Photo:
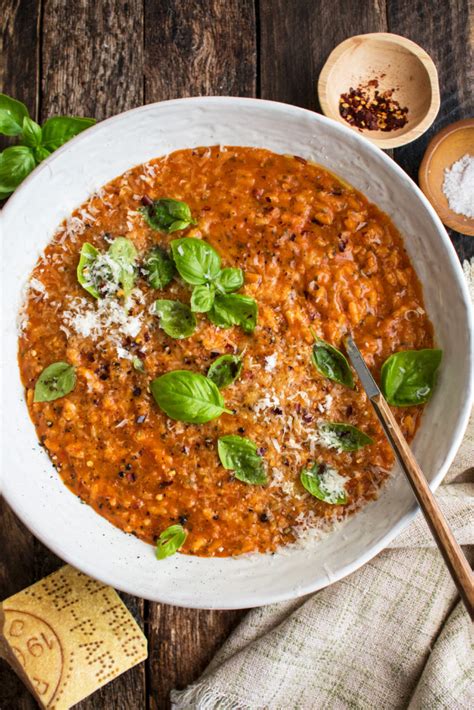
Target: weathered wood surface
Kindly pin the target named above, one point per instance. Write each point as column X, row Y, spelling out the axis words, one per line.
column 100, row 58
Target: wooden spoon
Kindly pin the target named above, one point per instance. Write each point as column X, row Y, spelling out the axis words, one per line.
column 454, row 557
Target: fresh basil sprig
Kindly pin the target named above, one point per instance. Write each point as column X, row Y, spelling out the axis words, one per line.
column 176, row 318
column 188, row 397
column 35, row 142
column 233, row 309
column 168, row 215
column 324, row 483
column 344, row 437
column 199, row 264
column 239, row 455
column 331, row 363
column 101, row 274
column 409, row 377
column 56, row 381
column 170, row 541
column 158, row 267
column 225, row 370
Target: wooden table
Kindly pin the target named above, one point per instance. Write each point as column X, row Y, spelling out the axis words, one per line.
column 98, row 58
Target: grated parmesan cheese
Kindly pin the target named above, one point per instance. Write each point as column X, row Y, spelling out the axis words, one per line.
column 332, row 484
column 103, row 317
column 270, row 362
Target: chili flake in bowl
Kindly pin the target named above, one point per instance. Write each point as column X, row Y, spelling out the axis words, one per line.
column 382, row 85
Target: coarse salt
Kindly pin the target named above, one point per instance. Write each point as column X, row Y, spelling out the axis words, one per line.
column 458, row 186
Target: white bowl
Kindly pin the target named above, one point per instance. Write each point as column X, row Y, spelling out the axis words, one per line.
column 83, row 538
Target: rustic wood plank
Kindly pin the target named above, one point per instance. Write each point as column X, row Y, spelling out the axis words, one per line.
column 442, row 29
column 207, row 47
column 19, row 50
column 92, row 57
column 200, row 48
column 90, row 67
column 182, row 642
column 297, row 38
column 19, row 77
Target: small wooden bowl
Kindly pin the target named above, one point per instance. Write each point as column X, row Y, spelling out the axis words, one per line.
column 446, row 148
column 397, row 63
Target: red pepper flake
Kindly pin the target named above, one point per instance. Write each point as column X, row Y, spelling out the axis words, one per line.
column 367, row 108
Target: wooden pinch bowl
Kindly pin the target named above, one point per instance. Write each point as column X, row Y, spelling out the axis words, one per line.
column 446, row 148
column 397, row 63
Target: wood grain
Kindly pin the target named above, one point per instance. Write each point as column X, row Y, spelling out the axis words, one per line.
column 19, row 77
column 443, row 30
column 199, row 49
column 92, row 57
column 296, row 39
column 182, row 643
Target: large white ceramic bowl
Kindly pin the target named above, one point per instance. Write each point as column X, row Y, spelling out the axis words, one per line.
column 74, row 531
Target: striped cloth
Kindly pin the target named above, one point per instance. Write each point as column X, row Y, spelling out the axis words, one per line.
column 392, row 635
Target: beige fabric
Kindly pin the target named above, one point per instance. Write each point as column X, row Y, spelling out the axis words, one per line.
column 391, row 635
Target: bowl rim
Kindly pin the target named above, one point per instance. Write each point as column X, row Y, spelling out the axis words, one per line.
column 415, row 49
column 47, row 536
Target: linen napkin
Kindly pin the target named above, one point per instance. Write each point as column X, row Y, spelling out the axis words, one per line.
column 392, row 635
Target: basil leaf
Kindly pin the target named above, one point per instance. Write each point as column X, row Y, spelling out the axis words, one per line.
column 88, row 255
column 30, row 132
column 168, row 215
column 239, row 454
column 138, row 364
column 16, row 163
column 202, row 298
column 331, row 363
column 196, row 261
column 188, row 397
column 55, row 381
column 229, row 280
column 41, row 153
column 170, row 540
column 12, row 113
column 225, row 370
column 101, row 273
column 123, row 252
column 176, row 318
column 159, row 267
column 343, row 437
column 233, row 309
column 409, row 377
column 325, row 484
column 59, row 129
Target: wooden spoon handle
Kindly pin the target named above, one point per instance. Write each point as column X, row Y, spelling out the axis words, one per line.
column 453, row 555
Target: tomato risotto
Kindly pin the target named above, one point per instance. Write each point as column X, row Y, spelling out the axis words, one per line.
column 182, row 350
